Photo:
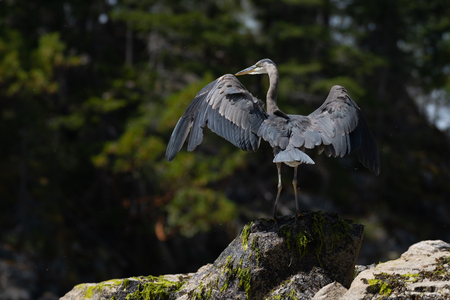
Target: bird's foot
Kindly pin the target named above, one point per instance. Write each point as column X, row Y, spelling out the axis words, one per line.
column 274, row 218
column 297, row 215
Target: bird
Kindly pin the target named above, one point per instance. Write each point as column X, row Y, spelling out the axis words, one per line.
column 338, row 127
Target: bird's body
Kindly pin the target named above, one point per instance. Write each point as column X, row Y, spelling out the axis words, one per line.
column 337, row 127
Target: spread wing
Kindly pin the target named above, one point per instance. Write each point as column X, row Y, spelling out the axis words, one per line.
column 337, row 127
column 228, row 109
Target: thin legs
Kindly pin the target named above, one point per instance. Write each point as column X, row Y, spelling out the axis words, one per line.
column 294, row 184
column 279, row 191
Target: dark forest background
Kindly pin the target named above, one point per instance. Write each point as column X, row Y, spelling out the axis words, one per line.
column 91, row 90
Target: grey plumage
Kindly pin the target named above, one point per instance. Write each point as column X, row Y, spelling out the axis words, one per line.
column 337, row 127
column 228, row 109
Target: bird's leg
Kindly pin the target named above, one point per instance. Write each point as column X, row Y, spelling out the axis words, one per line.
column 278, row 193
column 294, row 183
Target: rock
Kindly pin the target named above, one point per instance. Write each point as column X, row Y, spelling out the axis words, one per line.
column 422, row 272
column 332, row 291
column 264, row 257
column 303, row 285
column 267, row 260
column 161, row 287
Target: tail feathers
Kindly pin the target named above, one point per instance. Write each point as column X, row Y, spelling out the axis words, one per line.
column 292, row 155
column 178, row 137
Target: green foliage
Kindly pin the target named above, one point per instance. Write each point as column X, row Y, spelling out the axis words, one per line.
column 32, row 73
column 196, row 210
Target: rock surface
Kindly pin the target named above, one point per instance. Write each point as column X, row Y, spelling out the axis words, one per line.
column 266, row 255
column 266, row 261
column 303, row 285
column 143, row 287
column 423, row 272
column 332, row 291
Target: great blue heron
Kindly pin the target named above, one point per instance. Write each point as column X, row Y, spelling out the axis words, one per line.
column 337, row 127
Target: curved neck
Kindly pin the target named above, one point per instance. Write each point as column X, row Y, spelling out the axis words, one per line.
column 271, row 98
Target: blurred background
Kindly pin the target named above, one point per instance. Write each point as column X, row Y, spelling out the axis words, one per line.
column 91, row 90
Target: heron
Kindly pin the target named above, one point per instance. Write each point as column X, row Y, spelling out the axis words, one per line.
column 337, row 127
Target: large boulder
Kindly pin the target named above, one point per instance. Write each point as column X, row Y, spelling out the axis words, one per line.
column 266, row 256
column 267, row 260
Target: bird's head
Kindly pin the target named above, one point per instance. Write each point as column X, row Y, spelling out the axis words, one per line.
column 261, row 67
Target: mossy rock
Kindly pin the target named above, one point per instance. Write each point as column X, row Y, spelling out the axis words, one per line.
column 266, row 254
column 422, row 272
column 134, row 288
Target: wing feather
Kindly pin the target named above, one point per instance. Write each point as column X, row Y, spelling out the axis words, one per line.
column 344, row 129
column 228, row 109
column 337, row 127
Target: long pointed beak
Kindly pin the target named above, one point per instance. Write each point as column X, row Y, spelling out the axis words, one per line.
column 246, row 71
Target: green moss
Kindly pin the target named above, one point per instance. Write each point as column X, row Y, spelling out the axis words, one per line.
column 216, row 283
column 245, row 280
column 242, row 274
column 302, row 240
column 319, row 236
column 245, row 233
column 203, row 291
column 224, row 286
column 287, row 232
column 198, row 292
column 97, row 288
column 337, row 229
column 293, row 294
column 440, row 262
column 155, row 288
column 228, row 272
column 384, row 284
column 383, row 287
column 440, row 272
column 285, row 293
column 411, row 277
column 340, row 230
column 228, row 264
column 125, row 284
column 209, row 292
column 255, row 248
column 90, row 291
